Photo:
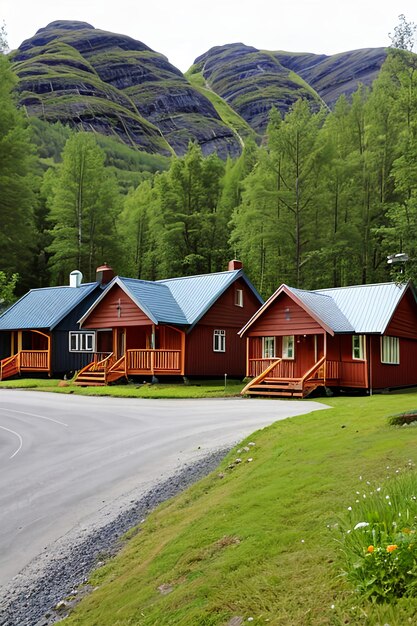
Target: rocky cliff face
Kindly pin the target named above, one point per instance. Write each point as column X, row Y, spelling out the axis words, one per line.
column 252, row 81
column 115, row 85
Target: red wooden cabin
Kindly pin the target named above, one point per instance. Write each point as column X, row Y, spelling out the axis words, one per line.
column 184, row 326
column 360, row 337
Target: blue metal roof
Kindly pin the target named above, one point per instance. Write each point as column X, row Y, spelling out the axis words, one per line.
column 359, row 309
column 196, row 294
column 182, row 301
column 325, row 308
column 44, row 308
column 369, row 308
column 155, row 300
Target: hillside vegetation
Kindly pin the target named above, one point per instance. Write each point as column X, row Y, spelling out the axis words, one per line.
column 114, row 85
column 258, row 540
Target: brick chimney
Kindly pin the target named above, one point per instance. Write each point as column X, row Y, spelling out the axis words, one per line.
column 104, row 274
column 234, row 265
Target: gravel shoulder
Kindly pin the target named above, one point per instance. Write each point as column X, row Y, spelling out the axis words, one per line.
column 32, row 598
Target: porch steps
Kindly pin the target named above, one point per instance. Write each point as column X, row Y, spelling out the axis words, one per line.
column 268, row 384
column 90, row 379
column 282, row 388
column 101, row 373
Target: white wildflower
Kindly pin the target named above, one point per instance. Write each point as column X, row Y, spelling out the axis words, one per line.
column 349, row 508
column 361, row 525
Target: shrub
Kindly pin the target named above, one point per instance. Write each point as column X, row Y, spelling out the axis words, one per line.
column 379, row 539
column 403, row 418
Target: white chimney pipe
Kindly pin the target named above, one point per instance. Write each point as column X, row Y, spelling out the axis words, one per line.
column 75, row 278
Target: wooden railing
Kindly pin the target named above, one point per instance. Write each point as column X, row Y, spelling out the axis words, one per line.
column 283, row 368
column 257, row 366
column 10, row 366
column 34, row 360
column 317, row 372
column 102, row 361
column 153, row 361
column 25, row 360
column 258, row 379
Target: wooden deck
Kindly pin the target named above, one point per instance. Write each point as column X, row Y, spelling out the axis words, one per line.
column 24, row 361
column 146, row 362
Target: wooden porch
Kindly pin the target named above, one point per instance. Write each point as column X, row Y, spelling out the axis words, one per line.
column 275, row 377
column 25, row 361
column 25, row 357
column 105, row 369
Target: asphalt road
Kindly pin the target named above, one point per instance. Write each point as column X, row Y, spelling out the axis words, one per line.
column 64, row 458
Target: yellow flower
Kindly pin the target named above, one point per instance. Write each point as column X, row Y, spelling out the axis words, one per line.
column 370, row 549
column 392, row 547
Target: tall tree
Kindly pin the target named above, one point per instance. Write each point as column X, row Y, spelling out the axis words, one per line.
column 186, row 226
column 403, row 36
column 84, row 205
column 16, row 181
column 276, row 224
column 140, row 258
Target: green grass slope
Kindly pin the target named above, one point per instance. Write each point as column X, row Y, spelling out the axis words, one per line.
column 255, row 542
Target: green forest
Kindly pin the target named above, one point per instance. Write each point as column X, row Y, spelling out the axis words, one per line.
column 322, row 202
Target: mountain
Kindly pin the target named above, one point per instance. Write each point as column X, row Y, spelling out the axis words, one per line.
column 115, row 85
column 112, row 84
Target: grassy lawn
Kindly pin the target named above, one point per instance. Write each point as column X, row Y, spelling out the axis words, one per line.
column 195, row 389
column 258, row 539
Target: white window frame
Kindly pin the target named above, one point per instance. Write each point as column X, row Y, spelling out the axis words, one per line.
column 219, row 341
column 288, row 347
column 82, row 341
column 239, row 297
column 268, row 347
column 390, row 350
column 358, row 348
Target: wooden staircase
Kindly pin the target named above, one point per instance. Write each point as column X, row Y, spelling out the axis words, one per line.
column 102, row 372
column 269, row 384
column 10, row 366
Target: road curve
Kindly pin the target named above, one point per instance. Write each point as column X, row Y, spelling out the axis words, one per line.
column 64, row 457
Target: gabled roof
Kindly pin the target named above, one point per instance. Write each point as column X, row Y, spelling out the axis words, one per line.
column 154, row 299
column 44, row 308
column 361, row 309
column 369, row 308
column 197, row 294
column 181, row 301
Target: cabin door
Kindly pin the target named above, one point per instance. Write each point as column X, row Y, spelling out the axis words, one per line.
column 104, row 341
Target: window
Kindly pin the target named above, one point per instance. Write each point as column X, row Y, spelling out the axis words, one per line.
column 219, row 341
column 239, row 297
column 288, row 347
column 268, row 347
column 358, row 347
column 390, row 350
column 82, row 342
